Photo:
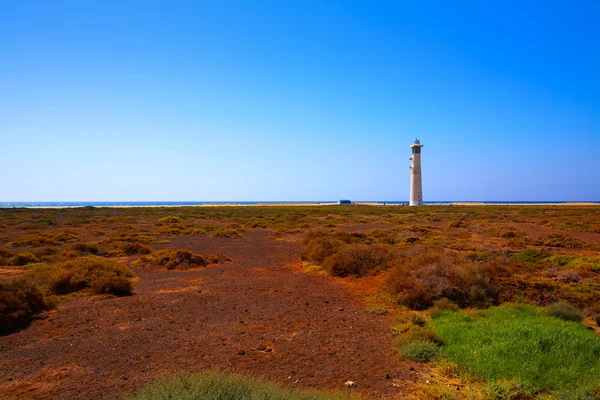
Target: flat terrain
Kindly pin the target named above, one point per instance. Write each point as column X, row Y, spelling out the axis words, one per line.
column 316, row 333
column 262, row 306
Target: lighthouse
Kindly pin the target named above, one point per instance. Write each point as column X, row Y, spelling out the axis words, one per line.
column 416, row 183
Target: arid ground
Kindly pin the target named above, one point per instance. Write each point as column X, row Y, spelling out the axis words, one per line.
column 262, row 305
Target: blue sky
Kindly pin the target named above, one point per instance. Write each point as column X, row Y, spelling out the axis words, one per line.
column 298, row 100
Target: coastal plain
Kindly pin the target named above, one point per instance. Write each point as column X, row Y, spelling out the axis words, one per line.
column 299, row 295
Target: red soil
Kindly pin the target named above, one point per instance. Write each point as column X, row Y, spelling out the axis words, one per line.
column 317, row 331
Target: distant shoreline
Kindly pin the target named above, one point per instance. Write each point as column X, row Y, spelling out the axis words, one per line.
column 61, row 205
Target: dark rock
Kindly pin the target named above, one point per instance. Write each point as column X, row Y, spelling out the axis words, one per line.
column 241, row 352
column 261, row 348
column 387, row 376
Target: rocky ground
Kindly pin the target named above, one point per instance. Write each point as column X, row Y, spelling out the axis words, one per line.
column 259, row 314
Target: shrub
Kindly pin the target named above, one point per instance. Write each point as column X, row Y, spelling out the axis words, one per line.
column 421, row 351
column 227, row 233
column 565, row 312
column 217, row 258
column 559, row 240
column 43, row 239
column 23, row 259
column 20, row 301
column 433, row 275
column 318, row 249
column 5, row 255
column 129, row 248
column 219, row 386
column 458, row 224
column 416, row 333
column 357, row 260
column 86, row 247
column 532, row 256
column 175, row 259
column 442, row 305
column 170, row 219
column 97, row 274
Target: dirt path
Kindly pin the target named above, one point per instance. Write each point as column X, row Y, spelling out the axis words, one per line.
column 316, row 333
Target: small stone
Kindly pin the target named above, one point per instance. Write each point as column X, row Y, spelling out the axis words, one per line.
column 241, row 352
column 350, row 384
column 341, row 309
column 411, row 369
column 268, row 350
column 457, row 388
column 387, row 376
column 261, row 348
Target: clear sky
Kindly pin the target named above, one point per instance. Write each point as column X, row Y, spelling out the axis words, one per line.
column 298, row 100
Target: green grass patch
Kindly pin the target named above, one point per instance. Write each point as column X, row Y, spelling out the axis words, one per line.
column 217, row 386
column 523, row 344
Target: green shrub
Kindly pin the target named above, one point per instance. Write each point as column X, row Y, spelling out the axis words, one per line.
column 20, row 301
column 415, row 334
column 98, row 275
column 565, row 312
column 532, row 256
column 219, row 386
column 560, row 240
column 421, row 351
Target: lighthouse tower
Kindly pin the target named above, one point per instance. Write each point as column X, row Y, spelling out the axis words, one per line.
column 416, row 183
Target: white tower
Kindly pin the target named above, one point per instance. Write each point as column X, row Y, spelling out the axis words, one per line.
column 416, row 183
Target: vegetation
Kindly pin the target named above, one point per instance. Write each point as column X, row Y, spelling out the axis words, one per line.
column 565, row 311
column 524, row 345
column 218, row 386
column 97, row 275
column 20, row 301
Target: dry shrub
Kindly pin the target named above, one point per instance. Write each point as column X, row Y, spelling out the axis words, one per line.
column 431, row 275
column 66, row 236
column 170, row 219
column 174, row 259
column 320, row 244
column 20, row 301
column 227, row 233
column 357, row 259
column 458, row 224
column 5, row 255
column 23, row 259
column 35, row 240
column 217, row 258
column 560, row 240
column 128, row 248
column 99, row 275
column 86, row 247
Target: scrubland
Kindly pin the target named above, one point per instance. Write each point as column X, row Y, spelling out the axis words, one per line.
column 492, row 301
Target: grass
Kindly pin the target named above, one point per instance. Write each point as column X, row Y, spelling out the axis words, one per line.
column 523, row 344
column 218, row 386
